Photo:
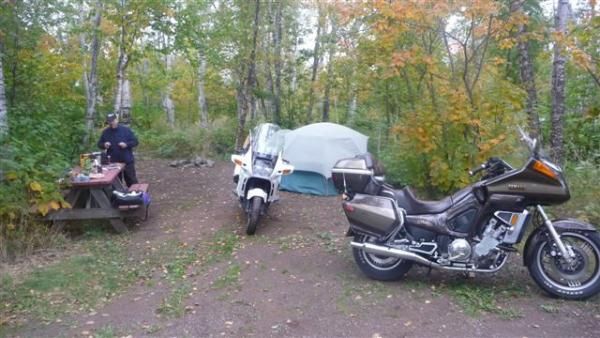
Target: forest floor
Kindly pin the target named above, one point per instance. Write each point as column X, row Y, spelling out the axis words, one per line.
column 190, row 271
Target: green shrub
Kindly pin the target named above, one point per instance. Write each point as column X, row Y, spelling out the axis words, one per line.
column 584, row 183
column 38, row 150
column 181, row 142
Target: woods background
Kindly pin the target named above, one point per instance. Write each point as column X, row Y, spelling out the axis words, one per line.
column 438, row 86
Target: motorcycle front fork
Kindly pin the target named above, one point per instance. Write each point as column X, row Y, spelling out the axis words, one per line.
column 566, row 251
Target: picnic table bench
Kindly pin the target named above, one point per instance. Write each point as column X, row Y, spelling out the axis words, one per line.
column 91, row 200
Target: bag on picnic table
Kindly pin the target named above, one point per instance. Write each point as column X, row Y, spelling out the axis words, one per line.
column 130, row 198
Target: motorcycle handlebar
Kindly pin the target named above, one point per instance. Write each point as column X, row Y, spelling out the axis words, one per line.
column 475, row 171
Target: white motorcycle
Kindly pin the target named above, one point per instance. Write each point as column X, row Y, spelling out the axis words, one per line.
column 258, row 172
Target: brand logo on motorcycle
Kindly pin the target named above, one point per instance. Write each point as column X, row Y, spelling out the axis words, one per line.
column 517, row 187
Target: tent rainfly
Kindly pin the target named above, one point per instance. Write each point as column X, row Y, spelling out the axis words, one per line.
column 313, row 150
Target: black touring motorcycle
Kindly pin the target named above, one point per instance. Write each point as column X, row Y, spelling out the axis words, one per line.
column 475, row 229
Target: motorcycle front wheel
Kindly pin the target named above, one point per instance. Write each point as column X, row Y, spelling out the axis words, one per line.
column 578, row 279
column 253, row 215
column 378, row 267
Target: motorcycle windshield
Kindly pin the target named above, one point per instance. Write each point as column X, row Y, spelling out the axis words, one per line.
column 267, row 141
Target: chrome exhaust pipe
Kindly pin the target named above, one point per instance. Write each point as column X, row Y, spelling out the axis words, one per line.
column 393, row 252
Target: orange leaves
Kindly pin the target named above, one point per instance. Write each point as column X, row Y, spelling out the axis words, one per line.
column 399, row 59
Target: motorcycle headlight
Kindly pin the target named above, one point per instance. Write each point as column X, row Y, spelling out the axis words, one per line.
column 262, row 171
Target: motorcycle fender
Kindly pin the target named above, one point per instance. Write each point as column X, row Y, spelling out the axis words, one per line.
column 561, row 225
column 257, row 192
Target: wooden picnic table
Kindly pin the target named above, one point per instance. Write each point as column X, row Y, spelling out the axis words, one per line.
column 92, row 200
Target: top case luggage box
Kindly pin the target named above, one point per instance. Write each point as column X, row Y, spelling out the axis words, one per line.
column 357, row 175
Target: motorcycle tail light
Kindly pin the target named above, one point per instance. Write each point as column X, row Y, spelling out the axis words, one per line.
column 347, row 207
column 545, row 170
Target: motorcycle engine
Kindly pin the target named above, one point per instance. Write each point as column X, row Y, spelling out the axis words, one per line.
column 485, row 252
column 459, row 250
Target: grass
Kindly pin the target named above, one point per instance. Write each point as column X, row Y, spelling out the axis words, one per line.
column 102, row 270
column 358, row 292
column 27, row 237
column 230, row 279
column 99, row 272
column 173, row 306
column 106, row 332
column 175, row 269
column 220, row 247
column 550, row 308
column 76, row 284
column 476, row 299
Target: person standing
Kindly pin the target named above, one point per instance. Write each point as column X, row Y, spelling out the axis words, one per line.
column 119, row 141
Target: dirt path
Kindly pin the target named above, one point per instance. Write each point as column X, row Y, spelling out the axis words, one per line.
column 296, row 277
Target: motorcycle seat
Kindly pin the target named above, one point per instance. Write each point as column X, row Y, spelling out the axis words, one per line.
column 407, row 200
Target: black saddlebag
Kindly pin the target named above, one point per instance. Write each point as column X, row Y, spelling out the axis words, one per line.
column 373, row 215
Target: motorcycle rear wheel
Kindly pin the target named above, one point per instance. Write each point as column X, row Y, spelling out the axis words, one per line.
column 379, row 267
column 577, row 280
column 253, row 215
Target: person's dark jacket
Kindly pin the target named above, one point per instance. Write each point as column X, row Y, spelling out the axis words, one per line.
column 115, row 136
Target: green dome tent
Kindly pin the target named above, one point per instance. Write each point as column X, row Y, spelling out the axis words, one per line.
column 313, row 150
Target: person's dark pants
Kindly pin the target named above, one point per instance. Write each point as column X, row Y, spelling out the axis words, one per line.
column 129, row 174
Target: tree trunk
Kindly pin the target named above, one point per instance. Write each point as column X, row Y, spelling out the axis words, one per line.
column 14, row 60
column 242, row 112
column 91, row 80
column 167, row 102
column 331, row 53
column 252, row 80
column 120, row 80
column 315, row 67
column 558, row 84
column 277, row 43
column 245, row 91
column 123, row 92
column 268, row 104
column 353, row 104
column 3, row 110
column 527, row 75
column 202, row 105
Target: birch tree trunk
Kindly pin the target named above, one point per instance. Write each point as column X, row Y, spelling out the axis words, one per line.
column 245, row 90
column 331, row 53
column 91, row 79
column 3, row 110
column 277, row 44
column 252, row 80
column 242, row 112
column 315, row 67
column 558, row 84
column 167, row 102
column 353, row 105
column 527, row 75
column 269, row 40
column 202, row 105
column 123, row 92
column 120, row 81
